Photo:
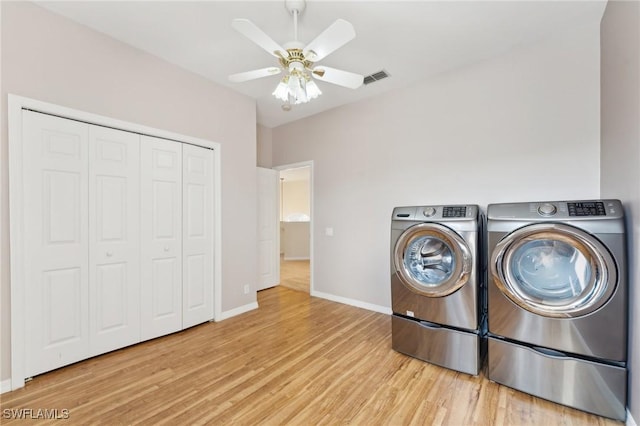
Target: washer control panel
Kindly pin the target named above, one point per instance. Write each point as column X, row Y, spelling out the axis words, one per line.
column 547, row 209
column 454, row 211
column 435, row 213
column 429, row 211
column 587, row 209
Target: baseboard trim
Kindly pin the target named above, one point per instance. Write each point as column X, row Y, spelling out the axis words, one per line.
column 630, row 420
column 295, row 258
column 5, row 386
column 237, row 311
column 352, row 302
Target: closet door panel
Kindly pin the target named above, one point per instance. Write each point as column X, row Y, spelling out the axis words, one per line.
column 197, row 225
column 161, row 198
column 114, row 252
column 56, row 242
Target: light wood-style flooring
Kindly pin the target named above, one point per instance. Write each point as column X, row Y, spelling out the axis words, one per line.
column 296, row 360
column 294, row 274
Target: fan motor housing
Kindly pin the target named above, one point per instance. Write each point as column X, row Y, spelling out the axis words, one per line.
column 295, row 55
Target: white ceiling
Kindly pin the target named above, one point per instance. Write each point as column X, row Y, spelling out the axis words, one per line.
column 411, row 40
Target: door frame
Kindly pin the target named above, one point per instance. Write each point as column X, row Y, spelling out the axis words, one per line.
column 276, row 256
column 312, row 211
column 16, row 208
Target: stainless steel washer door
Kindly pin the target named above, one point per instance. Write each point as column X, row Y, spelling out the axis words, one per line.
column 554, row 270
column 432, row 260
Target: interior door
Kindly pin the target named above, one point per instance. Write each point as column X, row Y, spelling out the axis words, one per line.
column 268, row 229
column 197, row 232
column 114, row 243
column 56, row 242
column 161, row 233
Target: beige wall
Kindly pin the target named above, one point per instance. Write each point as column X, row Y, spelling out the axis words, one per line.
column 620, row 157
column 521, row 126
column 294, row 240
column 264, row 146
column 52, row 59
column 295, row 198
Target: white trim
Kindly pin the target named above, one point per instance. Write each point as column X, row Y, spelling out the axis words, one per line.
column 630, row 421
column 311, row 219
column 15, row 106
column 296, row 258
column 352, row 302
column 217, row 232
column 237, row 311
column 16, row 249
column 5, row 386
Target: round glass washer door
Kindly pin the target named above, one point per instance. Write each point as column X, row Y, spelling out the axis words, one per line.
column 554, row 270
column 432, row 260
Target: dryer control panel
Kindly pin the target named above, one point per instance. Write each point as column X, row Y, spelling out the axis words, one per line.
column 557, row 210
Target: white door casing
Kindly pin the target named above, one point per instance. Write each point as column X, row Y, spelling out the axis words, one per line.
column 161, row 263
column 197, row 235
column 55, row 242
column 114, row 241
column 268, row 228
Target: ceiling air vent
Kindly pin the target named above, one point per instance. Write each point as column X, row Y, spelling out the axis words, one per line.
column 375, row 77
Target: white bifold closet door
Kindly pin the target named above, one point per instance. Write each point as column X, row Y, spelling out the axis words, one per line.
column 197, row 235
column 161, row 205
column 56, row 242
column 114, row 241
column 118, row 236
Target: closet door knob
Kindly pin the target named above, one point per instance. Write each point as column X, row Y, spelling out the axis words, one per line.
column 166, row 248
column 109, row 253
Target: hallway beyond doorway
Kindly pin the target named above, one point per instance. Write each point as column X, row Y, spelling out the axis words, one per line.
column 294, row 274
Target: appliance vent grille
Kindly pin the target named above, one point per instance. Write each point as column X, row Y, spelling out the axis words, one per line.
column 375, row 77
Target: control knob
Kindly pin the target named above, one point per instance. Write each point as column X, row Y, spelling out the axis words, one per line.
column 547, row 209
column 429, row 211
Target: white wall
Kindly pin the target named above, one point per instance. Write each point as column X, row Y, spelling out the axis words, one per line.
column 620, row 158
column 522, row 126
column 50, row 58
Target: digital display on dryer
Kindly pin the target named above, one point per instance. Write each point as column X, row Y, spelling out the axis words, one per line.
column 586, row 209
column 454, row 211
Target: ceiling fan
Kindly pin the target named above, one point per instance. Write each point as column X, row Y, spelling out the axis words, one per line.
column 298, row 59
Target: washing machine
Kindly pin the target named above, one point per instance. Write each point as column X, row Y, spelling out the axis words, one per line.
column 436, row 286
column 557, row 296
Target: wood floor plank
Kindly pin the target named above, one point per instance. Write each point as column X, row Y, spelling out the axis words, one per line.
column 295, row 274
column 297, row 360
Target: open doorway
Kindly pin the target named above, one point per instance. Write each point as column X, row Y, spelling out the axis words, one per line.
column 296, row 226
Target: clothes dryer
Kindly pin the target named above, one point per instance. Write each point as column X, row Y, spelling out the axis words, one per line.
column 436, row 286
column 557, row 296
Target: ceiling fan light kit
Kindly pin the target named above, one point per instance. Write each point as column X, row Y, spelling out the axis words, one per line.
column 297, row 60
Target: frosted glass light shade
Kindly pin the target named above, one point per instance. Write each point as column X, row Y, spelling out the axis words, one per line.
column 296, row 88
column 282, row 91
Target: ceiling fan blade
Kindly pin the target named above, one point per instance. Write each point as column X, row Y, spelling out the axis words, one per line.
column 339, row 77
column 259, row 37
column 335, row 36
column 252, row 75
